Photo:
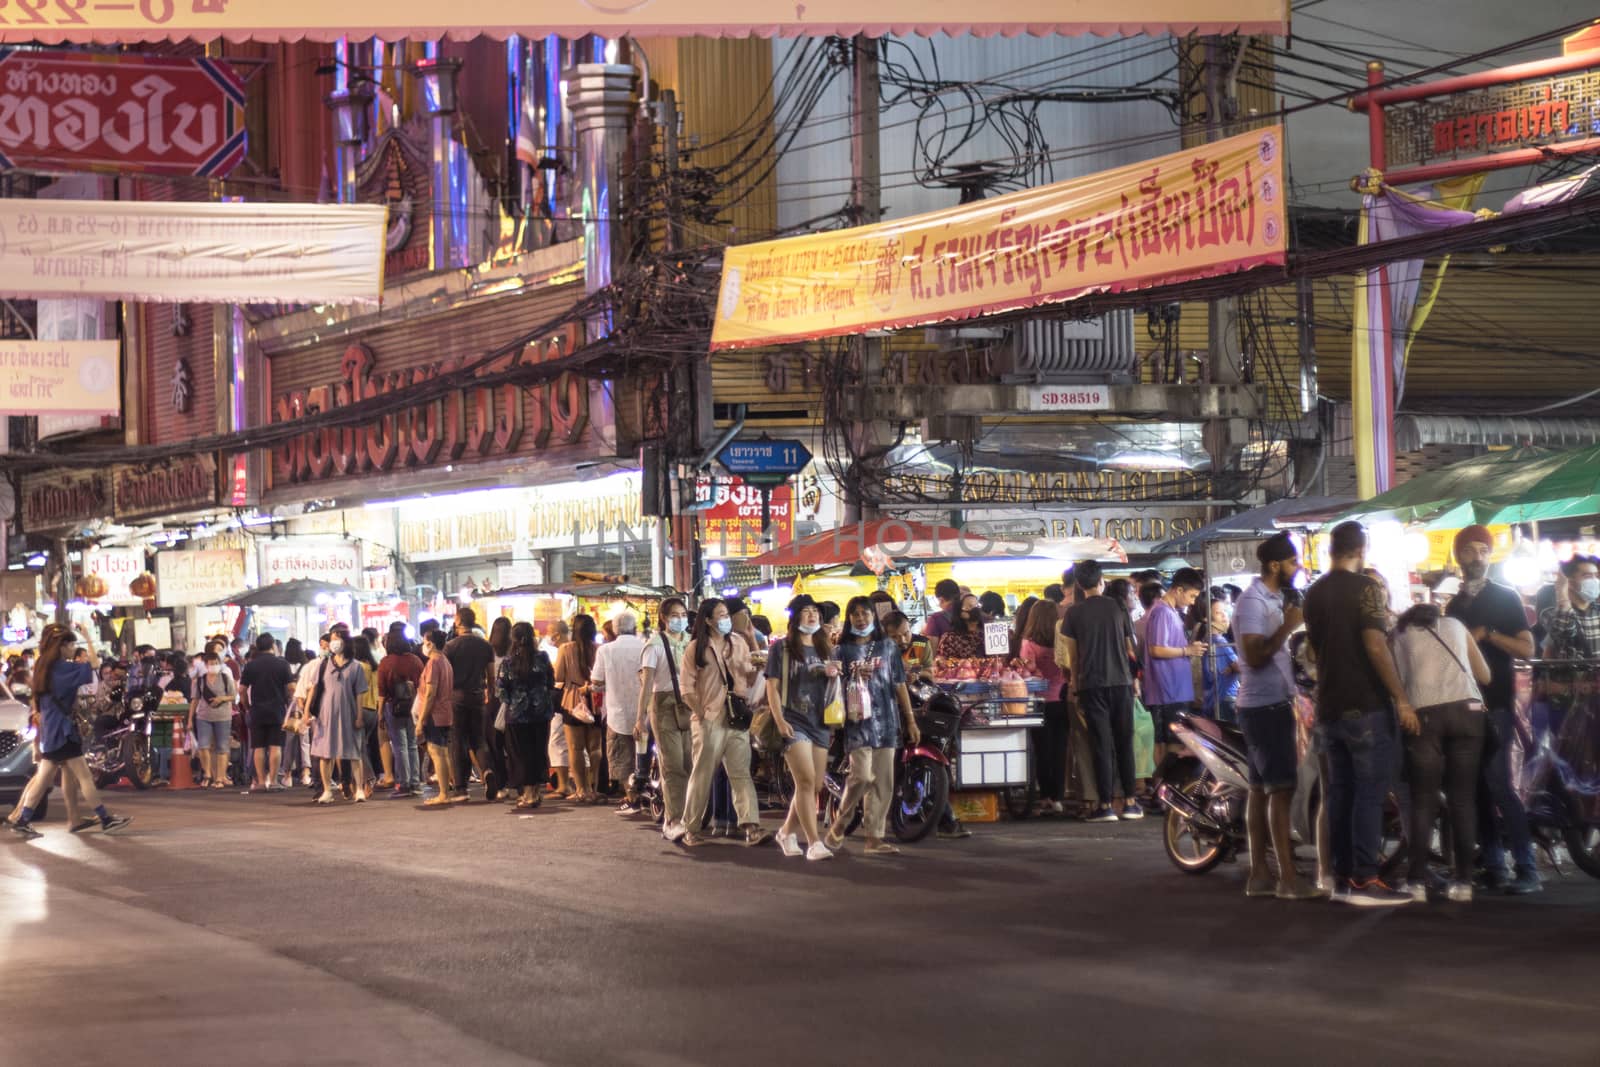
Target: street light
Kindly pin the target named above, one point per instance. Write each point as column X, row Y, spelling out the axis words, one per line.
column 352, row 111
column 438, row 74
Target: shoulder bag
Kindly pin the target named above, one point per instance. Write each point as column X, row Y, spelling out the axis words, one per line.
column 314, row 704
column 740, row 717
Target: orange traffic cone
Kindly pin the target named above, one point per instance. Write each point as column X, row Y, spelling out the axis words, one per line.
column 182, row 776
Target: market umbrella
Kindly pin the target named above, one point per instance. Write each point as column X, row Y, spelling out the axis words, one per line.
column 1557, row 485
column 1438, row 496
column 1257, row 522
column 299, row 593
column 847, row 543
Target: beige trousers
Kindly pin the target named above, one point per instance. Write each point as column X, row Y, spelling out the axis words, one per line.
column 715, row 744
column 871, row 784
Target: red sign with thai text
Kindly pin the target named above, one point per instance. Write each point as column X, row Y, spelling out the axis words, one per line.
column 731, row 527
column 121, row 113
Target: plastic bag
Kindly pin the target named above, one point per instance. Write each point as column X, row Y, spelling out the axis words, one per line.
column 833, row 711
column 857, row 700
column 1144, row 741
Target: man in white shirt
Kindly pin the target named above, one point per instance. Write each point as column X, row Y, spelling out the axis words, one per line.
column 616, row 673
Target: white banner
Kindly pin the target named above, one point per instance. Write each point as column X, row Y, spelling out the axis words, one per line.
column 60, row 377
column 195, row 578
column 338, row 562
column 118, row 567
column 193, row 253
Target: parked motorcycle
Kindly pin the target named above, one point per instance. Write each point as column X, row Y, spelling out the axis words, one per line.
column 115, row 731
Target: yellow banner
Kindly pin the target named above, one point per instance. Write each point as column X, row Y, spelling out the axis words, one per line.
column 1209, row 210
column 222, row 253
column 272, row 20
column 60, row 378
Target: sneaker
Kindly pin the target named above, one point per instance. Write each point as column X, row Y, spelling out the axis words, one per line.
column 790, row 843
column 491, row 785
column 755, row 835
column 674, row 832
column 115, row 824
column 819, row 851
column 629, row 807
column 1298, row 891
column 1459, row 893
column 1526, row 882
column 23, row 829
column 1339, row 892
column 954, row 833
column 1102, row 814
column 400, row 792
column 1051, row 807
column 1258, row 887
column 1131, row 811
column 1417, row 891
column 84, row 824
column 1373, row 893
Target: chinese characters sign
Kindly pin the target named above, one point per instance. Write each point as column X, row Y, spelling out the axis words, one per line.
column 83, row 111
column 60, row 378
column 1209, row 210
column 731, row 527
column 53, row 21
column 192, row 252
column 1494, row 119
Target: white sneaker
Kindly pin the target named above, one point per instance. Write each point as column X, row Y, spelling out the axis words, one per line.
column 819, row 851
column 674, row 832
column 790, row 843
column 1459, row 893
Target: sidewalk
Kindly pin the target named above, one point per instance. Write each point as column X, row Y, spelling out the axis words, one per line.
column 93, row 980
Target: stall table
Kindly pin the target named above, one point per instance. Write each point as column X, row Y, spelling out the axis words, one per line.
column 995, row 747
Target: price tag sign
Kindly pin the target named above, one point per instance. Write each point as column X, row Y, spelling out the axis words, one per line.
column 996, row 639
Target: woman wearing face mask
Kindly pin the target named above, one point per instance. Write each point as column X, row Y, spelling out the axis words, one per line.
column 872, row 732
column 800, row 673
column 715, row 665
column 211, row 721
column 335, row 735
column 661, row 702
column 58, row 681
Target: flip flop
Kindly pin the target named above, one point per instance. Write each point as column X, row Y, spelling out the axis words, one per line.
column 881, row 849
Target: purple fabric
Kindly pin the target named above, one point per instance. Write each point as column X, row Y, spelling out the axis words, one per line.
column 1166, row 681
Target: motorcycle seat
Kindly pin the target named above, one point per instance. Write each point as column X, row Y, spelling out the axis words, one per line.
column 1216, row 730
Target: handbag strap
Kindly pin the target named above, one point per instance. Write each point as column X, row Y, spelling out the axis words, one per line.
column 783, row 673
column 1448, row 650
column 672, row 667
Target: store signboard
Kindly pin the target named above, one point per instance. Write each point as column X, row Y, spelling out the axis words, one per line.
column 335, row 562
column 1211, row 209
column 225, row 252
column 61, row 500
column 59, row 377
column 118, row 567
column 568, row 515
column 730, row 525
column 196, row 577
column 167, row 487
column 1493, row 118
column 125, row 113
column 292, row 20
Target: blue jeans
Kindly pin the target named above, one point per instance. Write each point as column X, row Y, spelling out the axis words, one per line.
column 1361, row 751
column 1500, row 813
column 403, row 740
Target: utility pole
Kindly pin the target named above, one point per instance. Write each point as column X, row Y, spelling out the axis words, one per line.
column 866, row 188
column 1224, row 438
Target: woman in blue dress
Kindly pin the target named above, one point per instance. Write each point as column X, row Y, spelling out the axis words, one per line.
column 56, row 682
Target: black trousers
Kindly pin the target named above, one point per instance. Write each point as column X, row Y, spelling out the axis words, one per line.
column 494, row 740
column 1050, row 751
column 1109, row 713
column 528, row 753
column 1446, row 754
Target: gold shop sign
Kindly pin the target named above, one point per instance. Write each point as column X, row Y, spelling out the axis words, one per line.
column 562, row 517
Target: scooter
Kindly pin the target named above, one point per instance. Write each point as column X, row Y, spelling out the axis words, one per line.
column 116, row 737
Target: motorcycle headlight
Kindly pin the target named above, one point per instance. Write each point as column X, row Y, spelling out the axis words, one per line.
column 136, row 704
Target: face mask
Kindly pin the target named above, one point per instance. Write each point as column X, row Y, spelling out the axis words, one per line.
column 809, row 628
column 677, row 624
column 861, row 631
column 1589, row 589
column 336, row 647
column 724, row 627
column 213, row 670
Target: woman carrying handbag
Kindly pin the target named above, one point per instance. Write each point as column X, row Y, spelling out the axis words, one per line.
column 716, row 673
column 1441, row 668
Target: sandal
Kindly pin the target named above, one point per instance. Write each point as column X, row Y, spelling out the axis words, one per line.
column 882, row 848
column 833, row 843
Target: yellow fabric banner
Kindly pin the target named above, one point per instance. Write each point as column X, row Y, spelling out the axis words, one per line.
column 1213, row 209
column 60, row 378
column 222, row 253
column 291, row 20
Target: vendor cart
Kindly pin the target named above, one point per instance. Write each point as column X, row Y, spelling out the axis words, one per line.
column 995, row 748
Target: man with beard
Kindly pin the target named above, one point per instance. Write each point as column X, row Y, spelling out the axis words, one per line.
column 1494, row 614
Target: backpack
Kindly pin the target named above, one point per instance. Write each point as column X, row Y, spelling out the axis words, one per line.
column 403, row 696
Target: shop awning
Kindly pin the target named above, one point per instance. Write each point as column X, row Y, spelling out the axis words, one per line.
column 1523, row 485
column 292, row 20
column 848, row 544
column 1257, row 522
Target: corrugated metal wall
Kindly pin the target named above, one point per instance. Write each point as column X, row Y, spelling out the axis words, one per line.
column 814, row 178
column 162, row 348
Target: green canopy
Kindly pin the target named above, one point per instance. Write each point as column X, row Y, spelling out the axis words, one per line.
column 1499, row 488
column 1441, row 497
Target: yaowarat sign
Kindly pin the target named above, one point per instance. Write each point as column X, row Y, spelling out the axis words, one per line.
column 274, row 20
column 473, row 421
column 1208, row 210
column 223, row 253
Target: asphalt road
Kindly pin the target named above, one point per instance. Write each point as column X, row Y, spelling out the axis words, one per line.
column 255, row 930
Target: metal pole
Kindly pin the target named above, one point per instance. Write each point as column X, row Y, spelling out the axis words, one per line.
column 769, row 574
column 669, row 154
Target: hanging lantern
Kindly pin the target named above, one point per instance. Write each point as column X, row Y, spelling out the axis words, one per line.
column 144, row 586
column 92, row 587
column 149, row 603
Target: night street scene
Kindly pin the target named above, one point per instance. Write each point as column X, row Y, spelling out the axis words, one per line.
column 679, row 532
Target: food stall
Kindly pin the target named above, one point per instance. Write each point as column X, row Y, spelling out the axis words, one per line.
column 1001, row 701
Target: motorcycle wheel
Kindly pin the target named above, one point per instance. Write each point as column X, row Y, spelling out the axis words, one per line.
column 1583, row 844
column 920, row 799
column 829, row 816
column 1192, row 851
column 136, row 761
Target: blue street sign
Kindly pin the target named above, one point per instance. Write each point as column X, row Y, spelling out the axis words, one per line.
column 780, row 458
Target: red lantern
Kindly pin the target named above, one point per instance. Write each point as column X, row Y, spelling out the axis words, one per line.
column 144, row 586
column 92, row 587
